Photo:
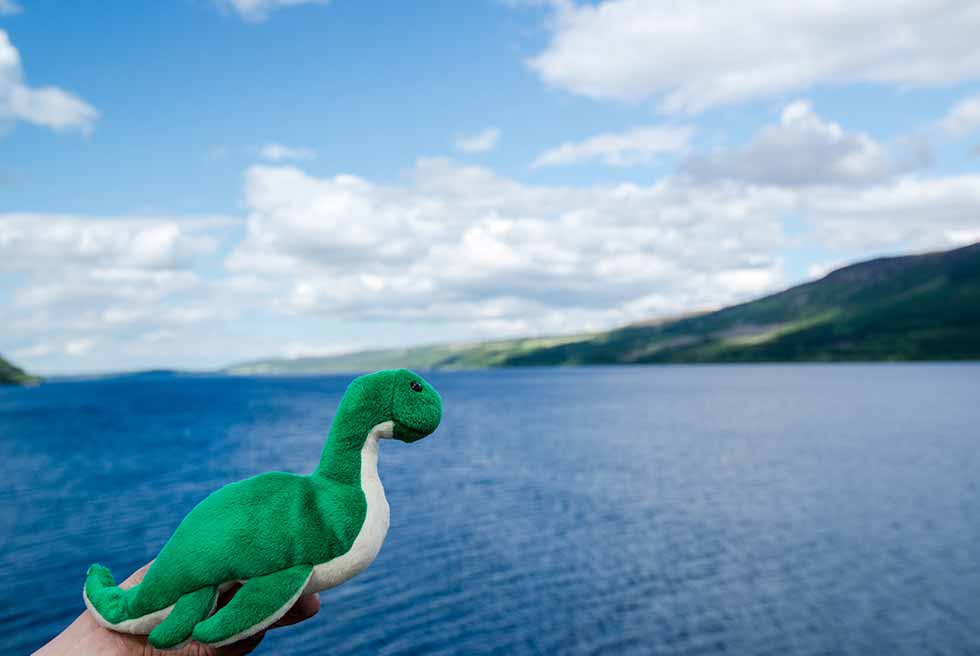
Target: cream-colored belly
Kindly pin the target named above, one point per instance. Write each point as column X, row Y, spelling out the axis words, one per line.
column 368, row 542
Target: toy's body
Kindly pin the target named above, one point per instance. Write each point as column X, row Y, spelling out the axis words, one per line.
column 281, row 534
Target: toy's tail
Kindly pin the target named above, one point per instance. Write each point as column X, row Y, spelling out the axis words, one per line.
column 104, row 598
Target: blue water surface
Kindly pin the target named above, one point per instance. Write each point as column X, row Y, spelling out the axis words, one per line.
column 779, row 509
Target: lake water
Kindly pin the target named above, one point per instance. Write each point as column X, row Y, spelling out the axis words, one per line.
column 669, row 510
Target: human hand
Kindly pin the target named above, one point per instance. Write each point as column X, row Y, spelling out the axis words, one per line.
column 85, row 636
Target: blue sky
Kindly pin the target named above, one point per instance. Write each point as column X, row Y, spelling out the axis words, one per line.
column 197, row 182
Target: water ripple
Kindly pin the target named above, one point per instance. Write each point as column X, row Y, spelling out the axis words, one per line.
column 671, row 510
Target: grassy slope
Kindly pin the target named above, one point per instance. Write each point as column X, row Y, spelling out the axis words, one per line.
column 917, row 307
column 13, row 375
column 440, row 356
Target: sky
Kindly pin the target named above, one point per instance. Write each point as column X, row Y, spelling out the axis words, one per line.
column 193, row 183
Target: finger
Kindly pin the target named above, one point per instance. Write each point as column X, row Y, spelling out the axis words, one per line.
column 306, row 607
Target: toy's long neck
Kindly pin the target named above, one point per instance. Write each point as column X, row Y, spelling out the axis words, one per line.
column 341, row 458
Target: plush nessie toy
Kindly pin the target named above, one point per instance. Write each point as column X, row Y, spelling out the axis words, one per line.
column 281, row 534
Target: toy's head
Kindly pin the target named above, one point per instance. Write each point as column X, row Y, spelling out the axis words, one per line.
column 415, row 406
column 397, row 395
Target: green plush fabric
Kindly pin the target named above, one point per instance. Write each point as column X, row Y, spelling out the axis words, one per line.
column 111, row 600
column 258, row 599
column 269, row 528
column 189, row 610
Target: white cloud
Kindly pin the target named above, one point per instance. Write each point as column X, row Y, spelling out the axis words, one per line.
column 963, row 237
column 256, row 11
column 36, row 350
column 9, row 8
column 80, row 346
column 480, row 142
column 46, row 106
column 32, row 242
column 641, row 145
column 460, row 244
column 104, row 296
column 691, row 56
column 907, row 214
column 72, row 347
column 298, row 349
column 963, row 118
column 275, row 152
column 84, row 280
column 804, row 149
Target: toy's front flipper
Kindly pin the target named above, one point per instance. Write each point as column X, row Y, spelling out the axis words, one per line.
column 188, row 611
column 259, row 603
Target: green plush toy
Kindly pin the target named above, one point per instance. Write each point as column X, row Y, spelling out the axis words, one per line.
column 281, row 534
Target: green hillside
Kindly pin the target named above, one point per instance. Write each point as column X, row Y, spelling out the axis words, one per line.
column 13, row 375
column 916, row 307
column 476, row 355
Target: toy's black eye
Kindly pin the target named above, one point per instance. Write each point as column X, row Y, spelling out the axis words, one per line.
column 416, row 387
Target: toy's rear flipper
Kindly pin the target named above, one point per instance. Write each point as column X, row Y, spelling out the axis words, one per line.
column 111, row 605
column 190, row 609
column 261, row 602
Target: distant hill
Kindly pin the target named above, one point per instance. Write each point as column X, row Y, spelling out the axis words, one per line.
column 13, row 375
column 915, row 307
column 474, row 355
